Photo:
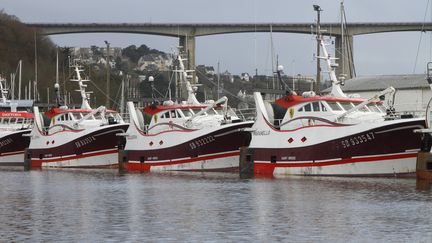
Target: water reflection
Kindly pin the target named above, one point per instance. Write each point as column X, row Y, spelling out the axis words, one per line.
column 101, row 205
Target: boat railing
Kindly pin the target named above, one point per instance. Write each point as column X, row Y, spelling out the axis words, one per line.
column 248, row 114
column 125, row 116
column 277, row 122
column 46, row 130
column 391, row 114
column 146, row 127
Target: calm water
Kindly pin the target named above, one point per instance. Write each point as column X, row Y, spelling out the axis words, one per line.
column 105, row 206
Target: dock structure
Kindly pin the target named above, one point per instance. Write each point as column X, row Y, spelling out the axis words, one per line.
column 424, row 165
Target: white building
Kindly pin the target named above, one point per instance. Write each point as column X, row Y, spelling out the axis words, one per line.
column 412, row 90
column 245, row 77
column 154, row 61
column 103, row 61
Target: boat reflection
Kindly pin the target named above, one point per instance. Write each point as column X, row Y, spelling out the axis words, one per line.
column 422, row 184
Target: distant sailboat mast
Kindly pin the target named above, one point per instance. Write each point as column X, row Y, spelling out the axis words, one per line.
column 342, row 12
column 122, row 99
column 19, row 79
column 13, row 77
column 218, row 81
column 272, row 55
column 318, row 9
column 36, row 66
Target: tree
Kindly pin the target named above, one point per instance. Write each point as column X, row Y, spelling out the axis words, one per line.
column 95, row 50
column 131, row 53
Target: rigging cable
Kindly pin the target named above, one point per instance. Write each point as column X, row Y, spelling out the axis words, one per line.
column 348, row 43
column 421, row 35
column 226, row 91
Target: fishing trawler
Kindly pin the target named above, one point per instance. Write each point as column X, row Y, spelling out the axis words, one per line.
column 84, row 137
column 13, row 124
column 187, row 136
column 334, row 134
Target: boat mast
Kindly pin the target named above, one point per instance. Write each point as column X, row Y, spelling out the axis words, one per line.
column 59, row 99
column 342, row 38
column 318, row 9
column 272, row 55
column 176, row 83
column 336, row 89
column 57, row 67
column 108, row 71
column 184, row 79
column 84, row 95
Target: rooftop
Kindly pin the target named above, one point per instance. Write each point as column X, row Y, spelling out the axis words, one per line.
column 380, row 82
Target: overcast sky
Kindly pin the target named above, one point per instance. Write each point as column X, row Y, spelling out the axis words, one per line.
column 390, row 53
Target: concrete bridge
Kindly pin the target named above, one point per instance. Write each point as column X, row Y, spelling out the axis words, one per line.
column 188, row 32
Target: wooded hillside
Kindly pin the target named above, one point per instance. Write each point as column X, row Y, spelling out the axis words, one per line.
column 17, row 42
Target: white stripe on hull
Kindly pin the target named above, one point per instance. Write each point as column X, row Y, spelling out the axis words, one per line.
column 91, row 161
column 381, row 167
column 223, row 163
column 13, row 159
column 210, row 164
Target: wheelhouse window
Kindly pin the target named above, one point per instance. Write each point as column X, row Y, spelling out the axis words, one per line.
column 346, row 105
column 77, row 115
column 187, row 112
column 219, row 111
column 211, row 112
column 334, row 106
column 363, row 109
column 98, row 116
column 323, row 108
column 196, row 110
column 90, row 117
column 316, row 106
column 308, row 107
column 165, row 115
column 64, row 117
column 373, row 107
column 114, row 115
column 230, row 112
column 382, row 108
column 173, row 114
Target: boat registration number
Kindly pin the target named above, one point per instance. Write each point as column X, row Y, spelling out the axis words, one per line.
column 201, row 142
column 6, row 142
column 358, row 139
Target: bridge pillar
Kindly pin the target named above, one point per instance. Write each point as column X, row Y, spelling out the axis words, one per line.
column 188, row 47
column 346, row 62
